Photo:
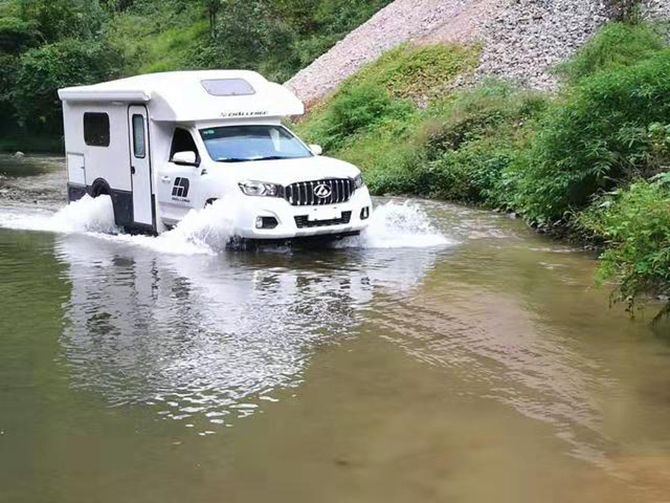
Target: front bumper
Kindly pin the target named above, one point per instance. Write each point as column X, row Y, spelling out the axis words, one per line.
column 302, row 221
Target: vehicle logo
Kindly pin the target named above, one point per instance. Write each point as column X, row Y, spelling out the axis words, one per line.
column 322, row 191
column 181, row 186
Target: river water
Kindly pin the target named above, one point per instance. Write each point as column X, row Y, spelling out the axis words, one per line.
column 449, row 355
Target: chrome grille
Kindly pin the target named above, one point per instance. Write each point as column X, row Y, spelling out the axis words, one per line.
column 302, row 193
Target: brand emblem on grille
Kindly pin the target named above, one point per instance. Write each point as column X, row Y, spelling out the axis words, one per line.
column 322, row 191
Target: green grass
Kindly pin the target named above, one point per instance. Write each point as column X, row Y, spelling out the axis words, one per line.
column 617, row 45
column 417, row 73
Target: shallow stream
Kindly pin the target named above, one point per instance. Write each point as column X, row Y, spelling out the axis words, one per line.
column 448, row 355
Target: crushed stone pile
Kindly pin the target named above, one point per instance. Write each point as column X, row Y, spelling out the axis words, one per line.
column 520, row 39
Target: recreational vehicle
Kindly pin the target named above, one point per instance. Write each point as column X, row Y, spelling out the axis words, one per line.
column 161, row 145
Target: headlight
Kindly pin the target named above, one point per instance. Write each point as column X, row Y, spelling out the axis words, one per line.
column 254, row 188
column 358, row 181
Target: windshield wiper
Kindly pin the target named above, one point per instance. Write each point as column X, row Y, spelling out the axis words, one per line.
column 254, row 159
column 234, row 159
column 273, row 158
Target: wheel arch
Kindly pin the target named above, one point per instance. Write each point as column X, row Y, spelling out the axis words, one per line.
column 100, row 187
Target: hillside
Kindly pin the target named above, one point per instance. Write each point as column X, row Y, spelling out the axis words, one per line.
column 590, row 162
column 520, row 39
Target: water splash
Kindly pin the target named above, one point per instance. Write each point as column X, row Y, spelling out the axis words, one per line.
column 209, row 231
column 395, row 225
column 86, row 215
column 200, row 232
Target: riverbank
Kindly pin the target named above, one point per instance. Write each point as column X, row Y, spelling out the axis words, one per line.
column 591, row 160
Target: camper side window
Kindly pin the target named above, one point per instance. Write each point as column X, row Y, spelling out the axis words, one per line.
column 96, row 129
column 182, row 141
column 139, row 141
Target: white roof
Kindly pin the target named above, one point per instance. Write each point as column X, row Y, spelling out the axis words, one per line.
column 181, row 96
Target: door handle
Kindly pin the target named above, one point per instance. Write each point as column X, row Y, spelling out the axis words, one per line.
column 132, row 170
column 166, row 179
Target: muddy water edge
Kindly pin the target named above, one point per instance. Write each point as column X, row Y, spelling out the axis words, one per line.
column 483, row 365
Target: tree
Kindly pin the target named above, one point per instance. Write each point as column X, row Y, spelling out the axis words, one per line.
column 60, row 19
column 17, row 34
column 212, row 7
column 45, row 70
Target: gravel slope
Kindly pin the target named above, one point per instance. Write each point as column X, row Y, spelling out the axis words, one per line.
column 521, row 39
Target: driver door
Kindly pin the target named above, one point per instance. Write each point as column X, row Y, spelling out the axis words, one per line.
column 177, row 183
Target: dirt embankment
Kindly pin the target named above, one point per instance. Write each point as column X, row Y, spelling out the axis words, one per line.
column 520, row 39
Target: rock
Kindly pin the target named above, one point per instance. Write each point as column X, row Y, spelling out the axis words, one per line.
column 19, row 155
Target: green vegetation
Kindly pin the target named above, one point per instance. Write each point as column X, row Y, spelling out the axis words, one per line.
column 48, row 44
column 374, row 118
column 618, row 45
column 634, row 224
column 591, row 161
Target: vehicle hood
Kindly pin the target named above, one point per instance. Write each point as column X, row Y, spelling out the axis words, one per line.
column 288, row 171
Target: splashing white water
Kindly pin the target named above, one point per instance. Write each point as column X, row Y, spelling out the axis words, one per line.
column 394, row 225
column 203, row 232
column 86, row 215
column 208, row 231
column 200, row 232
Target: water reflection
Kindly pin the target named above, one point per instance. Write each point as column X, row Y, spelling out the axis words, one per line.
column 203, row 339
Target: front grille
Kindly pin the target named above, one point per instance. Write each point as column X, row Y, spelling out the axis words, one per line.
column 303, row 221
column 303, row 193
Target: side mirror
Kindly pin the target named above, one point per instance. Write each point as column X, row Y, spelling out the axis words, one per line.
column 316, row 149
column 185, row 158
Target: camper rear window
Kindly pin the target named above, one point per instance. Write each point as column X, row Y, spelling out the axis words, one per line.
column 228, row 87
column 96, row 129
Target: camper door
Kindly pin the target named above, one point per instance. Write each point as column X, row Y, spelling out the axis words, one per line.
column 140, row 166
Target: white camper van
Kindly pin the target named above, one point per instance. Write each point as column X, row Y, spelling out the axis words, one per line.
column 164, row 144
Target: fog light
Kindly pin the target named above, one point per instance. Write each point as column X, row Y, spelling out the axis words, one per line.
column 266, row 223
column 365, row 213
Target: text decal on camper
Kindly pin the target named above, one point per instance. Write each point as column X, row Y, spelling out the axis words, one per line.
column 244, row 114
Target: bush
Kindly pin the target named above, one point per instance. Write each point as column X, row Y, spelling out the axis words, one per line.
column 388, row 155
column 469, row 174
column 361, row 108
column 471, row 140
column 634, row 223
column 596, row 138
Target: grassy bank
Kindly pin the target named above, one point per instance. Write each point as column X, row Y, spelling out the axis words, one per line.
column 591, row 160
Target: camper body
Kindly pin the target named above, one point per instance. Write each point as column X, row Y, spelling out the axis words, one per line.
column 164, row 144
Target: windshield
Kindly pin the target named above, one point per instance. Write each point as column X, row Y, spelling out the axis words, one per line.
column 252, row 143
